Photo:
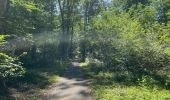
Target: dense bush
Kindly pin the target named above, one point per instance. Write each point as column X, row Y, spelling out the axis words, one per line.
column 9, row 68
column 137, row 44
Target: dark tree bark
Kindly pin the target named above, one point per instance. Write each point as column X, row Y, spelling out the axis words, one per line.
column 3, row 8
column 3, row 4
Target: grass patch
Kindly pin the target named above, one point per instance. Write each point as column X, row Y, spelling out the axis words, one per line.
column 112, row 85
column 84, row 64
column 118, row 92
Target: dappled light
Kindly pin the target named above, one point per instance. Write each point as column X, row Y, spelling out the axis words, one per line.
column 72, row 86
column 84, row 49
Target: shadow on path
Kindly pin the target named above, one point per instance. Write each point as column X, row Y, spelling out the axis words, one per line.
column 72, row 86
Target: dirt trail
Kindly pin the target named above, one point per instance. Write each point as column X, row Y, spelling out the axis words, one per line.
column 72, row 86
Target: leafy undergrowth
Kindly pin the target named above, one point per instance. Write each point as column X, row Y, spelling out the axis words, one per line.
column 109, row 85
column 118, row 92
column 34, row 82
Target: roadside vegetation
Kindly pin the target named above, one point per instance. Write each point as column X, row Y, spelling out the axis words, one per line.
column 116, row 85
column 126, row 43
column 32, row 84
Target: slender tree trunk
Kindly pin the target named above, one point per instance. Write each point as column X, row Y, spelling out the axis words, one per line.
column 3, row 8
column 3, row 4
column 3, row 86
column 83, row 57
column 71, row 42
column 62, row 39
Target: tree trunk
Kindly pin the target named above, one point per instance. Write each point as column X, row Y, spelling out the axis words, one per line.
column 3, row 4
column 86, row 17
column 3, row 87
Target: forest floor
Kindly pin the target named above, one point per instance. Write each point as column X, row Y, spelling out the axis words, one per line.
column 35, row 81
column 73, row 85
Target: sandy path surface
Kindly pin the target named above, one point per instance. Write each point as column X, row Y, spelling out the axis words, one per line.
column 72, row 86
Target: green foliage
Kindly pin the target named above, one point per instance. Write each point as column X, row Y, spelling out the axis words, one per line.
column 109, row 85
column 2, row 39
column 133, row 43
column 130, row 37
column 132, row 46
column 119, row 92
column 36, row 80
column 28, row 5
column 9, row 68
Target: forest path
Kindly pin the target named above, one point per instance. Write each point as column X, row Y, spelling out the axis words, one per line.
column 73, row 85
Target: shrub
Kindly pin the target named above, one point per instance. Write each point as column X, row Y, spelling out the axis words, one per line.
column 129, row 44
column 9, row 68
